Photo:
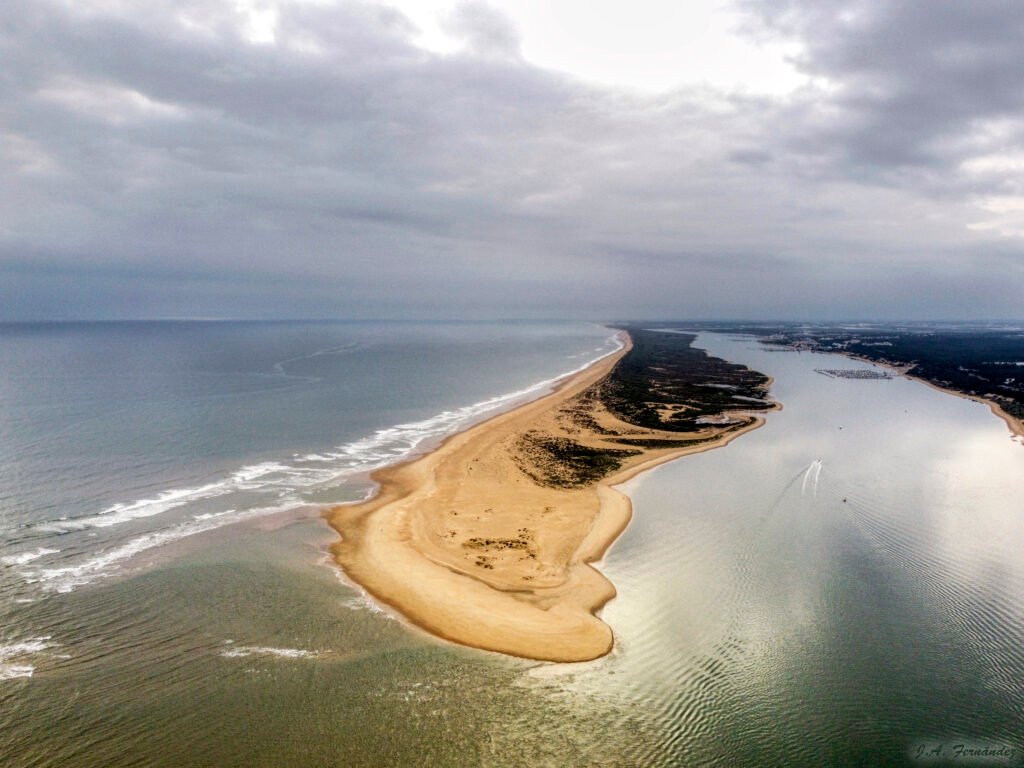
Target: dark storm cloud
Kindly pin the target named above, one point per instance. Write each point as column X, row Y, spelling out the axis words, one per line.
column 917, row 82
column 158, row 162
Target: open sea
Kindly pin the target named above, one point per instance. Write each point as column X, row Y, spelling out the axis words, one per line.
column 844, row 586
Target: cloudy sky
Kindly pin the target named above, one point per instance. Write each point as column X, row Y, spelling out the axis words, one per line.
column 514, row 158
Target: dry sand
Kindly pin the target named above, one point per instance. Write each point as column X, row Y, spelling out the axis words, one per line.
column 468, row 543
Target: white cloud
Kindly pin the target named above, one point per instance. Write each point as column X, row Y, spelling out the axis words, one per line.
column 645, row 45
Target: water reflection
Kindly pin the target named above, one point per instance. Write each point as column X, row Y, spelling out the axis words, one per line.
column 832, row 587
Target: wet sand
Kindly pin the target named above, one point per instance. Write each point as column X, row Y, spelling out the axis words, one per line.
column 485, row 542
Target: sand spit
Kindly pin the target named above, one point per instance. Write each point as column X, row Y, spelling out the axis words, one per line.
column 488, row 540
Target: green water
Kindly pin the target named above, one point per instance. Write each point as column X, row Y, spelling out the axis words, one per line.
column 165, row 690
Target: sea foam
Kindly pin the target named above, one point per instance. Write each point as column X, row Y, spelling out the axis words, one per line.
column 283, row 482
column 27, row 557
column 105, row 563
column 13, row 657
column 244, row 651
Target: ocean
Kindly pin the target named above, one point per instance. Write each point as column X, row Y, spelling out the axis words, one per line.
column 840, row 587
column 122, row 437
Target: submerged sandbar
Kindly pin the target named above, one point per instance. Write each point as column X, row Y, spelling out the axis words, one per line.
column 487, row 541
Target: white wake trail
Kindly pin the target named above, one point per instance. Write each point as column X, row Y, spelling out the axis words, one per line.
column 814, row 468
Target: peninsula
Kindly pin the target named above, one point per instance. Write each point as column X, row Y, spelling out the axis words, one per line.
column 487, row 541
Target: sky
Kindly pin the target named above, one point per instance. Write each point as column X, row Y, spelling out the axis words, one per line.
column 714, row 159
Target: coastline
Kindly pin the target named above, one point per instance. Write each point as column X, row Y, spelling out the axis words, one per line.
column 1015, row 425
column 467, row 544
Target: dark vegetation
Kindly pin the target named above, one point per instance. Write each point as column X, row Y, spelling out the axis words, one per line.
column 524, row 542
column 640, row 442
column 665, row 383
column 982, row 360
column 983, row 364
column 579, row 413
column 563, row 463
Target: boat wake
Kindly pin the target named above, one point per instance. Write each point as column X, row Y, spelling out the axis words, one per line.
column 813, row 471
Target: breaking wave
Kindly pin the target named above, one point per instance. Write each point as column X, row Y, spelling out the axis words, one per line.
column 253, row 491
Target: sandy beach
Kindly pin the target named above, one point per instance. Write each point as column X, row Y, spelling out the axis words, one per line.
column 1015, row 425
column 489, row 543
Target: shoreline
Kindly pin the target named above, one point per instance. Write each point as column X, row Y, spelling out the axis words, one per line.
column 517, row 578
column 1015, row 425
